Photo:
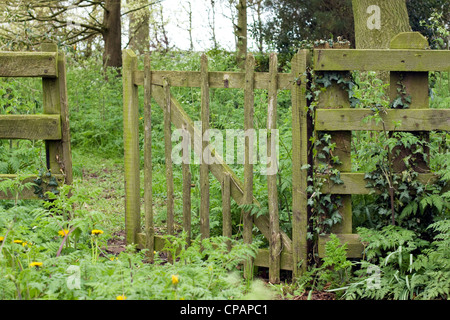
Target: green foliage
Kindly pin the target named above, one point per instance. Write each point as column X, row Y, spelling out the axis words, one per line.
column 408, row 267
column 77, row 265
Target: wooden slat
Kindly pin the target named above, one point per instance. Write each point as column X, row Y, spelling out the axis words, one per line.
column 411, row 120
column 217, row 79
column 226, row 207
column 249, row 105
column 148, row 170
column 381, row 60
column 355, row 248
column 205, row 158
column 131, row 147
column 27, row 193
column 187, row 180
column 354, row 183
column 272, row 190
column 31, row 127
column 170, row 201
column 28, row 64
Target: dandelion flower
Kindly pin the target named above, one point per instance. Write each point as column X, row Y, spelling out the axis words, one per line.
column 63, row 232
column 26, row 244
column 175, row 280
column 18, row 241
column 96, row 232
column 122, row 297
column 2, row 238
column 36, row 264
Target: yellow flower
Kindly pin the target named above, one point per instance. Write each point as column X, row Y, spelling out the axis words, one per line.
column 63, row 232
column 26, row 244
column 96, row 232
column 2, row 238
column 36, row 264
column 175, row 280
column 17, row 241
column 122, row 297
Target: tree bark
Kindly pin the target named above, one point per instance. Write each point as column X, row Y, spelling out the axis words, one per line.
column 112, row 35
column 378, row 21
column 241, row 33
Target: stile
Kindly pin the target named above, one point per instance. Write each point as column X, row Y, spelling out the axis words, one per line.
column 148, row 171
column 205, row 156
column 274, row 218
column 226, row 208
column 299, row 159
column 168, row 158
column 249, row 102
column 131, row 147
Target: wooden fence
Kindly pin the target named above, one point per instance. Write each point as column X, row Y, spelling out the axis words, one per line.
column 51, row 126
column 333, row 114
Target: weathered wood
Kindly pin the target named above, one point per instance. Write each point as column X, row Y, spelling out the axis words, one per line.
column 272, row 190
column 170, row 202
column 299, row 159
column 131, row 147
column 180, row 118
column 394, row 120
column 249, row 109
column 148, row 170
column 30, row 127
column 28, row 193
column 226, row 208
column 52, row 105
column 206, row 154
column 66, row 149
column 355, row 248
column 263, row 257
column 355, row 183
column 415, row 85
column 29, row 64
column 187, row 180
column 217, row 79
column 381, row 60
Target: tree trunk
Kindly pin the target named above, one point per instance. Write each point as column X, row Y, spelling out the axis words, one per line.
column 241, row 33
column 112, row 35
column 378, row 21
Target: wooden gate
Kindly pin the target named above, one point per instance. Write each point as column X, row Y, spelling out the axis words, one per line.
column 51, row 126
column 332, row 114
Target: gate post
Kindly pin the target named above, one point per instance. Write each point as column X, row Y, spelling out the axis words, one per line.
column 299, row 160
column 131, row 146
